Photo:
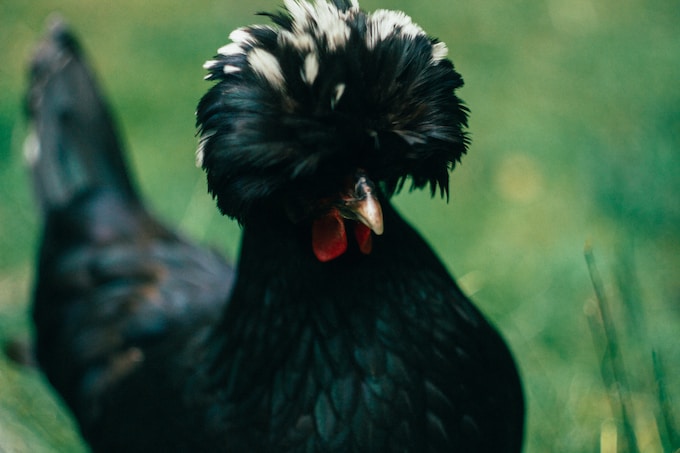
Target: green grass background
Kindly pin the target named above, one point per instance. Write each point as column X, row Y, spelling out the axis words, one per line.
column 576, row 137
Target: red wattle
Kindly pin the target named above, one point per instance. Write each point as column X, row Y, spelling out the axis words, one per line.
column 329, row 238
column 364, row 238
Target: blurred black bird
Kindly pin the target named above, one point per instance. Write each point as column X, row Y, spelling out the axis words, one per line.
column 341, row 331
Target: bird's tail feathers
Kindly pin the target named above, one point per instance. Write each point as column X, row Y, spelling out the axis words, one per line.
column 74, row 145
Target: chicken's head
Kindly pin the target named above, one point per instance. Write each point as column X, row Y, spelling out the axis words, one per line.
column 326, row 113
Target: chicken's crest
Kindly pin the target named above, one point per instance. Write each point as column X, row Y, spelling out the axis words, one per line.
column 327, row 89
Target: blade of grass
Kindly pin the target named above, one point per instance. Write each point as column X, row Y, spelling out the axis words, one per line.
column 666, row 417
column 612, row 366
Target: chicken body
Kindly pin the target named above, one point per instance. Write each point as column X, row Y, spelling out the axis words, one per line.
column 333, row 335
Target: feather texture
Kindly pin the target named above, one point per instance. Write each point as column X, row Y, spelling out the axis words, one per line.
column 338, row 89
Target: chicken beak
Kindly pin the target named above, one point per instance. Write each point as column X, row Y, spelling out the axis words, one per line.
column 361, row 204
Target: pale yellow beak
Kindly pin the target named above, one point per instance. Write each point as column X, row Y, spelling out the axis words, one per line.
column 361, row 203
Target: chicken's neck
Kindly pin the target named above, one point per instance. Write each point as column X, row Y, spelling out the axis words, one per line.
column 280, row 280
column 292, row 317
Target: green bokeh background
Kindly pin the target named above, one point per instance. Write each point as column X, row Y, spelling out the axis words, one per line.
column 576, row 137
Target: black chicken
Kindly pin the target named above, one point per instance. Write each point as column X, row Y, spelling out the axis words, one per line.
column 334, row 335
